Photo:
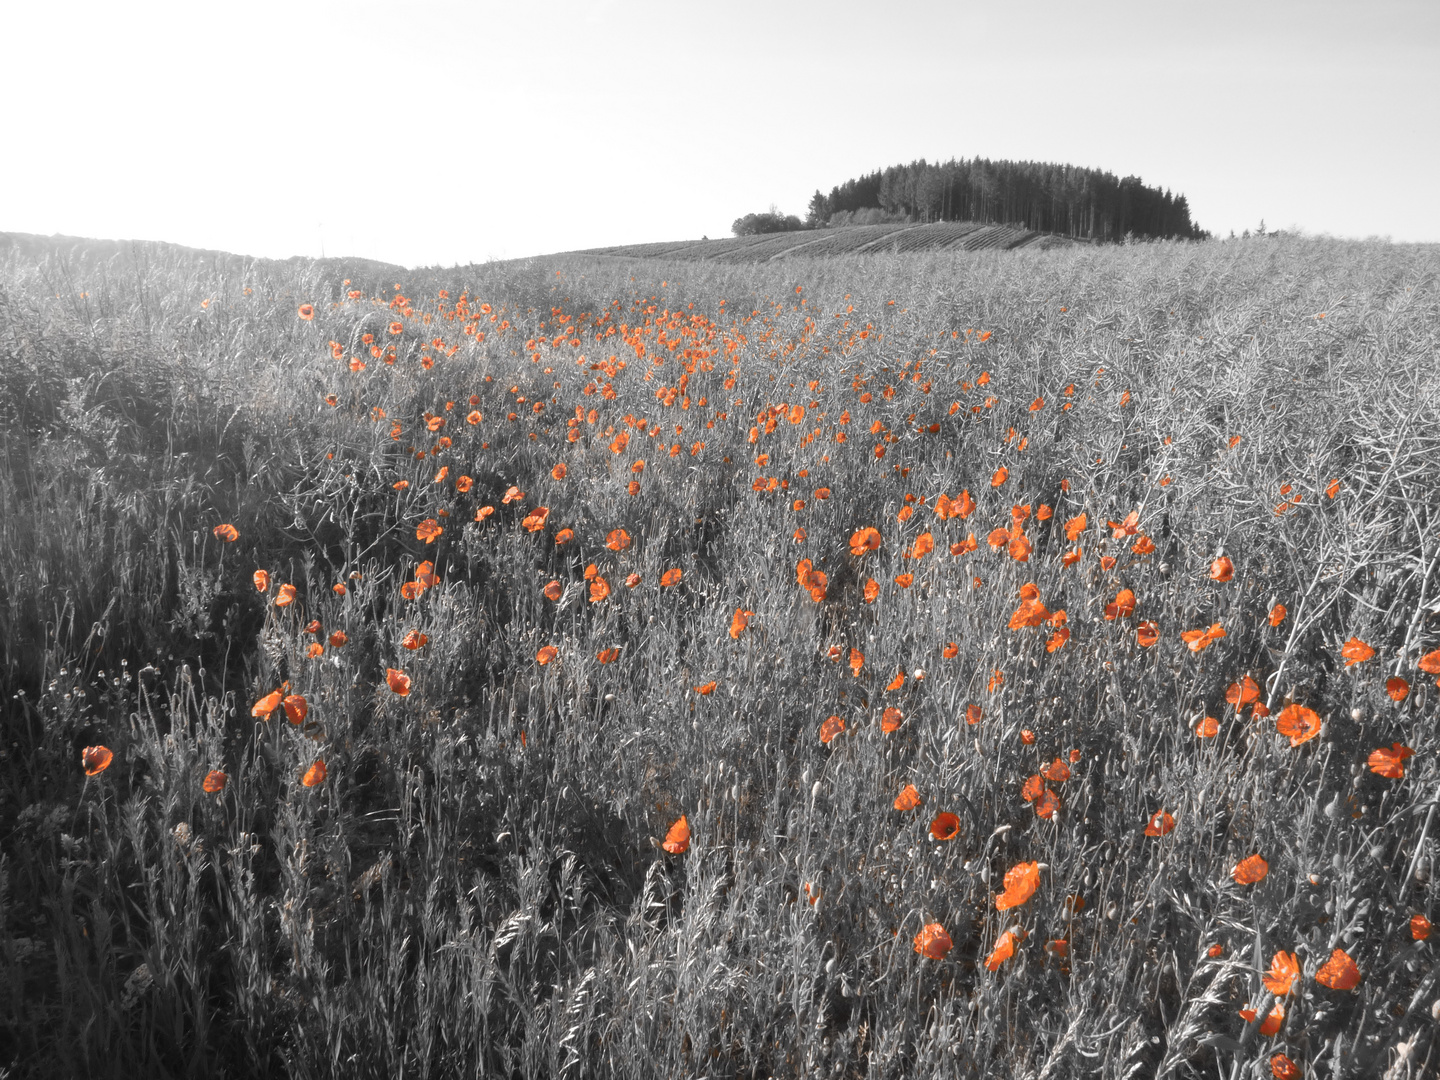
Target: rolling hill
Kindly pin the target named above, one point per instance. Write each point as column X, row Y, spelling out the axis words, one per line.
column 849, row 240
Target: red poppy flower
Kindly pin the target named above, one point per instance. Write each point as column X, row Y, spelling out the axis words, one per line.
column 1021, row 881
column 96, row 759
column 268, row 704
column 1249, row 871
column 296, row 709
column 945, row 826
column 1160, row 823
column 1004, row 948
column 1339, row 972
column 933, row 942
column 1297, row 723
column 1284, row 971
column 677, row 839
column 1390, row 761
column 866, row 539
column 1356, row 651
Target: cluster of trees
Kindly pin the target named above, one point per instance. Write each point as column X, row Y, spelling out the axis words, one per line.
column 772, row 221
column 1037, row 195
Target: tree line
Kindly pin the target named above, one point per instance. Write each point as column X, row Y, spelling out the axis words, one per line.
column 1065, row 199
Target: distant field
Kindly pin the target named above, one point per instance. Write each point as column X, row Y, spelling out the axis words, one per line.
column 847, row 240
column 862, row 653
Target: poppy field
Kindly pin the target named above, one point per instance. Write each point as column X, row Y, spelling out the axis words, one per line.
column 946, row 663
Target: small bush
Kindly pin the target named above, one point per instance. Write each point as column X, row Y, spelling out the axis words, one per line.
column 772, row 221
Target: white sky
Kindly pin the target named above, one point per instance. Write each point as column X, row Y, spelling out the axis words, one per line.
column 442, row 132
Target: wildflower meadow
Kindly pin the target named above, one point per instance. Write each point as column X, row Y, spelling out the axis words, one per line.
column 897, row 664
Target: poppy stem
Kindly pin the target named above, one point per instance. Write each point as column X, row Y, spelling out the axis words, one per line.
column 86, row 787
column 1419, row 610
column 1295, row 626
column 1419, row 846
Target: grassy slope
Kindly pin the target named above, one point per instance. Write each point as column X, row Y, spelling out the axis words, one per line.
column 478, row 883
column 846, row 240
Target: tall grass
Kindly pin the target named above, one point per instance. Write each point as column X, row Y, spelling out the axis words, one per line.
column 479, row 887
